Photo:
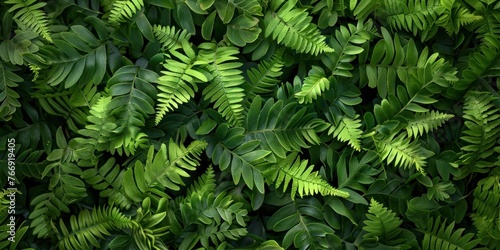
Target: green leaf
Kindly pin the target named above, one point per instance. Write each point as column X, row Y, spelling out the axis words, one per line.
column 205, row 4
column 185, row 18
column 207, row 27
column 207, row 126
column 243, row 30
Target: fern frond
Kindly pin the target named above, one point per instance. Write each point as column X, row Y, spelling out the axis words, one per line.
column 209, row 207
column 221, row 233
column 364, row 8
column 455, row 16
column 293, row 27
column 425, row 78
column 89, row 227
column 482, row 123
column 425, row 122
column 281, row 128
column 341, row 99
column 123, row 9
column 247, row 160
column 304, row 181
column 148, row 227
column 47, row 207
column 414, row 15
column 348, row 130
column 163, row 170
column 486, row 207
column 177, row 84
column 8, row 96
column 314, row 85
column 488, row 29
column 169, row 37
column 213, row 217
column 132, row 101
column 205, row 183
column 72, row 104
column 29, row 163
column 265, row 78
column 76, row 56
column 439, row 236
column 403, row 152
column 479, row 62
column 347, row 43
column 98, row 132
column 225, row 89
column 382, row 224
column 418, row 70
column 28, row 15
column 389, row 57
column 63, row 172
column 302, row 222
column 108, row 179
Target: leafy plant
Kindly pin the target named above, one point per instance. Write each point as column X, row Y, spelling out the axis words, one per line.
column 250, row 124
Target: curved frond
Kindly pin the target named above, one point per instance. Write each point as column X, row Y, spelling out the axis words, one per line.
column 292, row 27
column 123, row 9
column 304, row 181
column 265, row 78
column 30, row 163
column 205, row 183
column 424, row 77
column 281, row 128
column 348, row 130
column 314, row 85
column 424, row 122
column 169, row 37
column 382, row 224
column 163, row 170
column 347, row 44
column 403, row 152
column 63, row 172
column 90, row 227
column 72, row 105
column 226, row 88
column 177, row 84
column 478, row 64
column 28, row 15
column 419, row 71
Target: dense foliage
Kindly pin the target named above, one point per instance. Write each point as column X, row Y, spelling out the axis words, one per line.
column 250, row 124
